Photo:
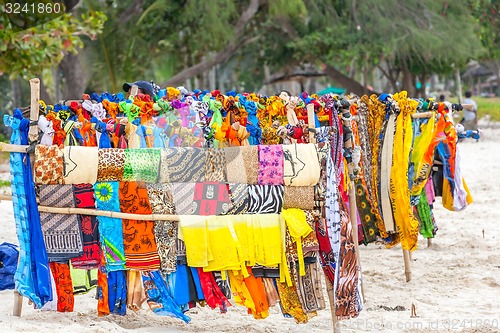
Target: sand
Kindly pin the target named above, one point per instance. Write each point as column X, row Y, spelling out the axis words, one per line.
column 455, row 283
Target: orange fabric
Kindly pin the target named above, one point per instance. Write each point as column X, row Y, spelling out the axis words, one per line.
column 64, row 286
column 258, row 292
column 139, row 242
column 102, row 290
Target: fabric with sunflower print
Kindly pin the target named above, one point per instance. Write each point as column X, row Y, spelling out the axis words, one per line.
column 110, row 228
column 162, row 202
column 84, row 198
column 365, row 211
column 141, row 251
column 110, row 164
column 142, row 165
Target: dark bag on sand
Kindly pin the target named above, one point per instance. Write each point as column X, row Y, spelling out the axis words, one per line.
column 8, row 265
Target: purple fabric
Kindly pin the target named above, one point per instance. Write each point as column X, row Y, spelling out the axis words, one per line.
column 271, row 167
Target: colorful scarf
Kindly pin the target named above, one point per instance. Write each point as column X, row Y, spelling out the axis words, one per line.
column 84, row 198
column 159, row 299
column 186, row 165
column 110, row 164
column 141, row 252
column 62, row 233
column 211, row 291
column 135, row 290
column 80, row 165
column 64, row 286
column 301, row 166
column 309, row 287
column 161, row 200
column 141, row 165
column 110, row 228
column 49, row 165
column 270, row 165
column 365, row 211
column 32, row 277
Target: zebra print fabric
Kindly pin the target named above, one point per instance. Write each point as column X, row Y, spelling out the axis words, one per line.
column 265, row 199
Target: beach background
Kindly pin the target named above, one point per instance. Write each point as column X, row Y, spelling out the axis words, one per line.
column 455, row 283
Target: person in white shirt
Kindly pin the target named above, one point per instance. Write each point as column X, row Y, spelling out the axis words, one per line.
column 470, row 116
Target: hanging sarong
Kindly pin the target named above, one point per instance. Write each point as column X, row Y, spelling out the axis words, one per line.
column 210, row 198
column 251, row 159
column 186, row 165
column 301, row 166
column 80, row 165
column 135, row 290
column 238, row 199
column 62, row 232
column 117, row 292
column 49, row 165
column 84, row 198
column 139, row 242
column 271, row 165
column 183, row 194
column 265, row 199
column 110, row 164
column 299, row 197
column 235, row 165
column 213, row 295
column 32, row 277
column 215, row 165
column 110, row 228
column 64, row 286
column 159, row 299
column 141, row 165
column 161, row 200
column 385, row 174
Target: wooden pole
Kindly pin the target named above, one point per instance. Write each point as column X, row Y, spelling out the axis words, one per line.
column 406, row 256
column 429, row 242
column 9, row 148
column 18, row 304
column 331, row 299
column 34, row 108
column 354, row 223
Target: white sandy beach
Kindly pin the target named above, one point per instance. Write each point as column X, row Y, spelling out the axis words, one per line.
column 455, row 283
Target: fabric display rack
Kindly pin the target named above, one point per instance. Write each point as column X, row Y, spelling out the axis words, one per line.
column 224, row 199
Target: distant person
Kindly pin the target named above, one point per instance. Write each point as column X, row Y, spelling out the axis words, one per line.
column 442, row 98
column 470, row 115
column 145, row 87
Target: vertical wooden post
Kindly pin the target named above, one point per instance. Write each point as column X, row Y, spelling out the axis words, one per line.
column 331, row 299
column 354, row 223
column 34, row 108
column 406, row 257
column 429, row 242
column 18, row 304
column 311, row 121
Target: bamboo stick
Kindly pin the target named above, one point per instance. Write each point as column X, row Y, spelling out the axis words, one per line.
column 427, row 114
column 311, row 122
column 34, row 108
column 118, row 215
column 10, row 148
column 354, row 223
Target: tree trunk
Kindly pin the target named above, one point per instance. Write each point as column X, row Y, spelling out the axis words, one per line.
column 351, row 85
column 75, row 78
column 408, row 82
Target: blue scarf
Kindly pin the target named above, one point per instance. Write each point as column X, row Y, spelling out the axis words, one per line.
column 33, row 274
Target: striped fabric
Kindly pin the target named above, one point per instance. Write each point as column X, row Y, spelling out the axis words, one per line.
column 183, row 194
column 265, row 199
column 62, row 233
column 185, row 165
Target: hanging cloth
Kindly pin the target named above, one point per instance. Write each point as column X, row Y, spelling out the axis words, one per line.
column 270, row 165
column 141, row 251
column 110, row 164
column 49, row 165
column 80, row 165
column 141, row 165
column 64, row 286
column 32, row 277
column 62, row 233
column 84, row 198
column 110, row 228
column 385, row 174
column 159, row 299
column 301, row 166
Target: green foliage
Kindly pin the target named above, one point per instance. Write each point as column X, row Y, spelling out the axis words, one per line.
column 487, row 14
